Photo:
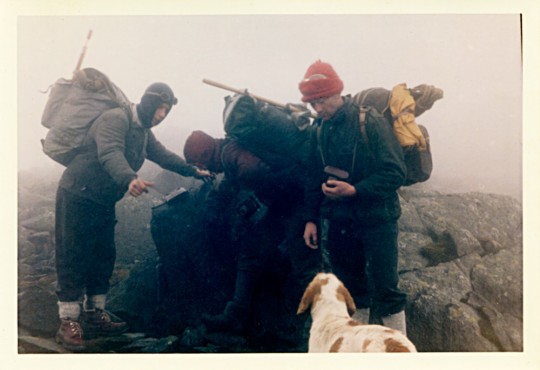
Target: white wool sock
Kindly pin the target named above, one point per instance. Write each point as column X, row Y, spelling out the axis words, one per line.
column 69, row 310
column 94, row 302
column 396, row 321
column 361, row 315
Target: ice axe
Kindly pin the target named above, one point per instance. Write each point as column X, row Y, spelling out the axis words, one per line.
column 290, row 107
column 83, row 52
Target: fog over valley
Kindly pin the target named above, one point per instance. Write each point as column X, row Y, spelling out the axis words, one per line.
column 476, row 59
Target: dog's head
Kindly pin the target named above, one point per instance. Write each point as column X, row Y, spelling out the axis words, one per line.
column 326, row 288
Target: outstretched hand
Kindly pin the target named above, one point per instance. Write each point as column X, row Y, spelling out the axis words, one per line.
column 137, row 187
column 203, row 174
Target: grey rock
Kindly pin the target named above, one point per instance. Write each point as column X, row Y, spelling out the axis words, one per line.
column 491, row 246
column 41, row 222
column 464, row 242
column 410, row 247
column 38, row 310
column 410, row 221
column 486, row 216
column 498, row 279
column 467, row 262
column 30, row 344
column 431, row 291
column 460, row 262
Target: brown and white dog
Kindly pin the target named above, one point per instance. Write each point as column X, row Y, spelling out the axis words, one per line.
column 333, row 329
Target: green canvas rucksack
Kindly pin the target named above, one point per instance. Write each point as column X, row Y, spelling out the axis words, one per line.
column 71, row 109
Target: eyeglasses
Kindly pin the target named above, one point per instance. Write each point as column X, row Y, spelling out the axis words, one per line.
column 166, row 97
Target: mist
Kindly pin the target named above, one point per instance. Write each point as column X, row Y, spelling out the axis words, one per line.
column 475, row 130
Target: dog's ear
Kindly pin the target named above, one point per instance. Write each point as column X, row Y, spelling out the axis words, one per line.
column 312, row 290
column 349, row 301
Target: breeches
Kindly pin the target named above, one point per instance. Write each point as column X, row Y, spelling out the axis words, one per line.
column 258, row 248
column 365, row 258
column 85, row 250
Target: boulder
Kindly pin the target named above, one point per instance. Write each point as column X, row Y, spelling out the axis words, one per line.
column 460, row 263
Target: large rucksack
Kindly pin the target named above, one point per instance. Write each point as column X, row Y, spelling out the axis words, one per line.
column 269, row 132
column 401, row 106
column 71, row 109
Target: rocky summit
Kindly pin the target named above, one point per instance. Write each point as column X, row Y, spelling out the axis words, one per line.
column 461, row 263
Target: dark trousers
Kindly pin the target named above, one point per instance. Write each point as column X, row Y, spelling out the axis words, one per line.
column 276, row 244
column 85, row 250
column 365, row 259
column 305, row 262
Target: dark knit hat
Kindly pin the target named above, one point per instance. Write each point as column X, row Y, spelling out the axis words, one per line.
column 320, row 81
column 200, row 149
column 156, row 94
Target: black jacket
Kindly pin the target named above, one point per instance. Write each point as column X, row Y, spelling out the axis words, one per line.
column 376, row 167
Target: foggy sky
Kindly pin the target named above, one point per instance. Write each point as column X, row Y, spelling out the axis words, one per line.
column 476, row 59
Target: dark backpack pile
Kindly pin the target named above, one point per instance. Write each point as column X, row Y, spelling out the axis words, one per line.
column 274, row 134
column 271, row 133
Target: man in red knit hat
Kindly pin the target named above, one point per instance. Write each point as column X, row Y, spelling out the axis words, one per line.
column 357, row 214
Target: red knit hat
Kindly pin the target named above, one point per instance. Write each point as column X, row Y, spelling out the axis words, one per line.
column 199, row 148
column 320, row 81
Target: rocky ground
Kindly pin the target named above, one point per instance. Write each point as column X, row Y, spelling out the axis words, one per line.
column 460, row 264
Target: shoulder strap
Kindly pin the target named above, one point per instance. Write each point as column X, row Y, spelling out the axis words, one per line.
column 362, row 117
column 319, row 145
column 362, row 121
column 362, row 111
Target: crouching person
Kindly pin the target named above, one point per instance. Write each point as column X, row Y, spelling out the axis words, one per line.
column 98, row 177
column 265, row 199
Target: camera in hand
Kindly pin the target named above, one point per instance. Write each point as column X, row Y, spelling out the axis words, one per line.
column 334, row 173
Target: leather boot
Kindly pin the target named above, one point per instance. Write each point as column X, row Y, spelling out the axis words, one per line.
column 70, row 335
column 234, row 318
column 396, row 321
column 99, row 322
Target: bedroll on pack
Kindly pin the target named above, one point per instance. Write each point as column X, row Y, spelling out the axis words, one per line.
column 401, row 106
column 73, row 105
column 269, row 132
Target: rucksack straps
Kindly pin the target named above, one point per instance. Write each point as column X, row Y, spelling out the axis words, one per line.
column 359, row 100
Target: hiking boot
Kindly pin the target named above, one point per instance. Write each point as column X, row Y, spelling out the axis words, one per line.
column 223, row 323
column 99, row 322
column 233, row 319
column 70, row 335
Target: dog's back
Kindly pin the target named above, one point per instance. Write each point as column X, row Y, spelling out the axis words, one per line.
column 352, row 336
column 333, row 330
